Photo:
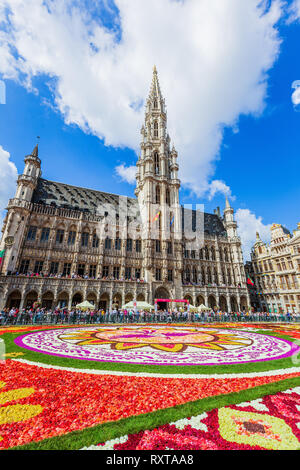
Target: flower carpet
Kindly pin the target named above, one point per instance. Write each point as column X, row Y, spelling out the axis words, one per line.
column 144, row 387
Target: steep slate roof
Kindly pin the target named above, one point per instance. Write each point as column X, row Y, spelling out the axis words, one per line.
column 81, row 199
column 65, row 196
column 213, row 225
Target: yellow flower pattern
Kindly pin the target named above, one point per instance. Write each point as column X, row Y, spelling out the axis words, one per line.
column 16, row 413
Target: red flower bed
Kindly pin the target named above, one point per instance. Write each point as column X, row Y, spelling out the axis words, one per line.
column 73, row 400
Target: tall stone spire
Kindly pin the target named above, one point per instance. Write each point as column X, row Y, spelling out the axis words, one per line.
column 157, row 184
column 35, row 151
column 227, row 204
column 155, row 91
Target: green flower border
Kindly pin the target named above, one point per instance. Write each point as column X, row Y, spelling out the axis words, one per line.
column 44, row 358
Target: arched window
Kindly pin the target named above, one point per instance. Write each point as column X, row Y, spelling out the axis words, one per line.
column 203, row 276
column 156, row 129
column 95, row 242
column 213, row 253
column 216, row 277
column 201, row 253
column 188, row 275
column 195, row 276
column 172, row 220
column 155, row 104
column 157, row 195
column 168, row 197
column 229, row 277
column 209, row 279
column 156, row 163
column 206, row 253
column 226, row 255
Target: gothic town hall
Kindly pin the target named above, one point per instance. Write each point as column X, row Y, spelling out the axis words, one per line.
column 64, row 244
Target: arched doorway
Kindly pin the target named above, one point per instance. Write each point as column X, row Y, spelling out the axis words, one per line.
column 223, row 303
column 77, row 299
column 63, row 300
column 233, row 303
column 117, row 301
column 92, row 298
column 47, row 300
column 30, row 299
column 140, row 298
column 104, row 301
column 161, row 293
column 14, row 299
column 189, row 299
column 244, row 303
column 200, row 300
column 212, row 302
column 128, row 297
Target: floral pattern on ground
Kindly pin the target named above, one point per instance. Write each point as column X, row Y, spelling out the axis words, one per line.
column 73, row 401
column 160, row 345
column 269, row 423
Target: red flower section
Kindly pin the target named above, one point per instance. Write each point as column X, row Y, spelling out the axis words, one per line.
column 73, row 400
column 282, row 406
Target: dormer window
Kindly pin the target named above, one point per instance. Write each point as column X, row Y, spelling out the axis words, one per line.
column 155, row 104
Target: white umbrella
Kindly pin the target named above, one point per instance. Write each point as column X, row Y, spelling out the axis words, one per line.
column 85, row 305
column 139, row 305
column 193, row 308
column 203, row 308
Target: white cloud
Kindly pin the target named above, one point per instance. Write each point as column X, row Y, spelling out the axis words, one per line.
column 126, row 173
column 248, row 225
column 296, row 94
column 294, row 11
column 9, row 173
column 218, row 186
column 212, row 56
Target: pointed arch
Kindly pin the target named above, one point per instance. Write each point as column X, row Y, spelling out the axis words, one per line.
column 216, row 278
column 157, row 195
column 168, row 199
column 156, row 163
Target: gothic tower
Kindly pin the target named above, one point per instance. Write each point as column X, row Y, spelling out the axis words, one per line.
column 18, row 211
column 236, row 247
column 157, row 187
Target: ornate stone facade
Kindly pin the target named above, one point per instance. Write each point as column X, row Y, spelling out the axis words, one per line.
column 110, row 249
column 277, row 270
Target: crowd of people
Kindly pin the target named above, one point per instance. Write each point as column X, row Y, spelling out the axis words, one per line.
column 35, row 316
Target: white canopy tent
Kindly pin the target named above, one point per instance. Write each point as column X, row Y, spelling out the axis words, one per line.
column 85, row 306
column 139, row 305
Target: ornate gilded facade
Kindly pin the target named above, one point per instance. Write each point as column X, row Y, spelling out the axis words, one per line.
column 108, row 249
column 277, row 270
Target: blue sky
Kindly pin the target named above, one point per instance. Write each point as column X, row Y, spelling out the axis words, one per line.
column 230, row 109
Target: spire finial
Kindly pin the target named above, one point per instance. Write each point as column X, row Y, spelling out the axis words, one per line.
column 227, row 203
column 154, row 69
